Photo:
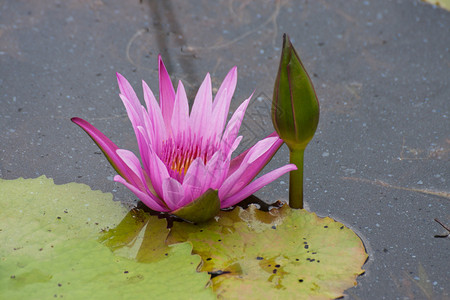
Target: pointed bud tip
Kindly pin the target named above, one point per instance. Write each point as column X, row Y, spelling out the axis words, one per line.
column 286, row 41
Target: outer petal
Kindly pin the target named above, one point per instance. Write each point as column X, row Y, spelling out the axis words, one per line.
column 180, row 116
column 256, row 185
column 128, row 92
column 166, row 94
column 229, row 84
column 236, row 162
column 157, row 173
column 194, row 180
column 134, row 164
column 154, row 118
column 218, row 171
column 239, row 179
column 232, row 129
column 222, row 101
column 148, row 199
column 201, row 110
column 173, row 193
column 108, row 148
column 133, row 115
column 144, row 148
column 215, row 171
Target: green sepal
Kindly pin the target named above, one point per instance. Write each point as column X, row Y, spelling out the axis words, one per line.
column 201, row 209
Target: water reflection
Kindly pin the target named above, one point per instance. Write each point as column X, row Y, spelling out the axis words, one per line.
column 165, row 21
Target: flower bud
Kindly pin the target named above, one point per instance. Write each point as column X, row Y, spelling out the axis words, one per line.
column 295, row 109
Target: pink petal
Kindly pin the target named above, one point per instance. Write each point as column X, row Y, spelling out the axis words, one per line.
column 157, row 173
column 256, row 185
column 221, row 104
column 241, row 177
column 149, row 132
column 236, row 162
column 232, row 129
column 166, row 94
column 134, row 164
column 154, row 121
column 128, row 92
column 108, row 148
column 144, row 147
column 236, row 143
column 133, row 115
column 146, row 151
column 220, row 169
column 148, row 199
column 215, row 170
column 180, row 117
column 195, row 177
column 139, row 121
column 173, row 193
column 201, row 110
column 149, row 98
column 257, row 165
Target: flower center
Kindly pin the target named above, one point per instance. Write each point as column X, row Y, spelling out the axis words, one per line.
column 178, row 155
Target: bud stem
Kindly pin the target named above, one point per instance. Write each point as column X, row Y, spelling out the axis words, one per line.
column 296, row 179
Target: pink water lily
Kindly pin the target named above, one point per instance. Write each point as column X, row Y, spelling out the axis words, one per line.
column 185, row 156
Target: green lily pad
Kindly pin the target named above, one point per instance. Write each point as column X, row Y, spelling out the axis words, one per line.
column 36, row 214
column 54, row 243
column 282, row 254
column 86, row 269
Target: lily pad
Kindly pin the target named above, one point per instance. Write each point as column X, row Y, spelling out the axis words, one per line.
column 281, row 254
column 50, row 246
column 85, row 269
column 36, row 214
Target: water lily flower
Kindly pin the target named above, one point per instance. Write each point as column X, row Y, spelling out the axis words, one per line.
column 185, row 165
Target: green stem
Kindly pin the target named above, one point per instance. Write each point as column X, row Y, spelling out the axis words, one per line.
column 296, row 179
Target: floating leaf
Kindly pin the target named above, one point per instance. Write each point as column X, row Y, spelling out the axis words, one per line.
column 49, row 247
column 282, row 254
column 85, row 269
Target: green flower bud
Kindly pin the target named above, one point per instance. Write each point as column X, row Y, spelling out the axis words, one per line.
column 295, row 109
